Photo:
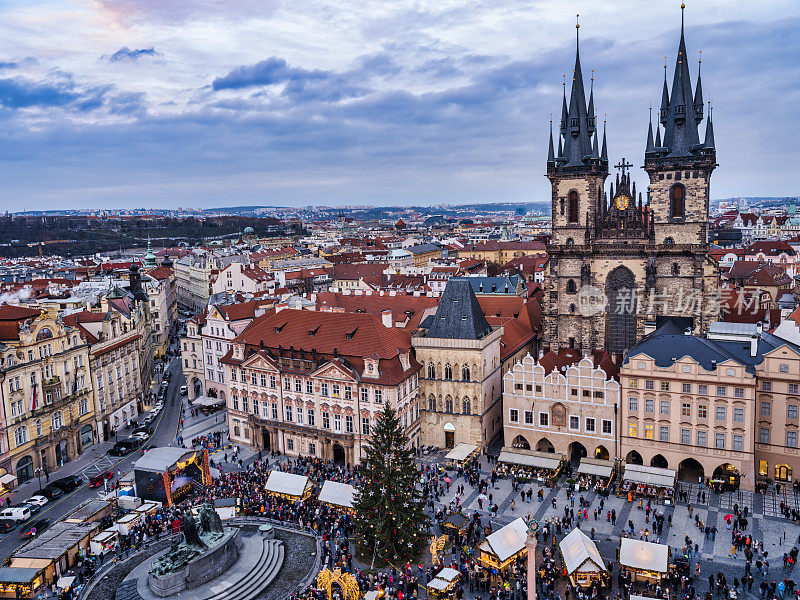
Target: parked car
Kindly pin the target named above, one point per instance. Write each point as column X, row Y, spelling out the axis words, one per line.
column 144, row 428
column 16, row 513
column 52, row 491
column 31, row 530
column 68, row 483
column 35, row 508
column 122, row 448
column 40, row 501
column 7, row 525
column 97, row 480
column 140, row 436
column 184, row 390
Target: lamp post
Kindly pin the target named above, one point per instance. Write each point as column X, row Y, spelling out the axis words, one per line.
column 39, row 475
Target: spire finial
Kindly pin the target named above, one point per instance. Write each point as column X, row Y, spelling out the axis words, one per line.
column 683, row 8
column 577, row 32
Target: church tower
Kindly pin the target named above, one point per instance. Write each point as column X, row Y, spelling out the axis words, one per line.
column 620, row 264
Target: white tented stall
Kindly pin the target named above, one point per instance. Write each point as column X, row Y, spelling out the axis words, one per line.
column 337, row 494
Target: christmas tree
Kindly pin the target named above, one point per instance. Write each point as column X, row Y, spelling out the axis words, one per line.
column 390, row 520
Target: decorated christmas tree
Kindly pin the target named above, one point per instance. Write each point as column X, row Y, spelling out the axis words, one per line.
column 390, row 520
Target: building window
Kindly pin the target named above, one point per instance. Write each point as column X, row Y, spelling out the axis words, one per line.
column 312, row 449
column 677, row 196
column 686, row 388
column 571, row 288
column 793, row 388
column 364, row 394
column 348, row 424
column 791, row 411
column 730, row 372
column 702, row 389
column 686, row 409
column 573, row 206
column 348, row 392
column 275, row 411
column 513, row 415
column 298, row 386
column 766, row 386
column 719, row 441
column 365, row 425
column 721, row 414
column 337, row 423
column 648, row 431
column 633, row 403
column 633, row 383
column 290, row 444
column 324, row 388
column 702, row 439
column 702, row 411
column 738, row 442
column 544, row 419
column 763, row 435
column 326, row 420
column 574, row 422
column 784, row 368
column 299, row 415
column 607, row 426
column 649, row 384
column 287, row 383
column 738, row 415
column 686, row 436
column 649, row 405
column 791, row 439
column 665, row 386
column 378, row 396
column 663, row 433
column 528, row 417
column 722, row 390
column 244, row 403
column 766, row 408
column 336, row 390
column 632, row 429
column 664, row 406
column 738, row 392
column 289, row 413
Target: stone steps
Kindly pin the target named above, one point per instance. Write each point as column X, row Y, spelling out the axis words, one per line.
column 256, row 579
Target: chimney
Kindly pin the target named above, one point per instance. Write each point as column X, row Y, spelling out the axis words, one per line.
column 386, row 318
column 687, row 331
column 713, row 365
column 759, row 328
column 280, row 306
column 754, row 346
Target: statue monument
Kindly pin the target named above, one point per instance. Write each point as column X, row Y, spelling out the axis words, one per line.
column 206, row 550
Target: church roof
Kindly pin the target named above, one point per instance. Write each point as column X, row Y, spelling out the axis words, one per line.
column 459, row 315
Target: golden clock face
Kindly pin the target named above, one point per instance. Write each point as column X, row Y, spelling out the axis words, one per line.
column 621, row 202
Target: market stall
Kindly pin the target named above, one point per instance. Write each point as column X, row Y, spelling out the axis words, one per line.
column 529, row 465
column 288, row 485
column 127, row 522
column 20, row 582
column 582, row 560
column 595, row 474
column 461, row 455
column 651, row 482
column 103, row 541
column 443, row 584
column 456, row 522
column 337, row 494
column 499, row 549
column 645, row 561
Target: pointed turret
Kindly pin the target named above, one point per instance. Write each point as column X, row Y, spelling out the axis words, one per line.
column 698, row 96
column 604, row 151
column 564, row 108
column 590, row 110
column 577, row 141
column 709, row 142
column 551, row 155
column 680, row 131
column 595, row 147
column 658, row 137
column 650, row 146
column 560, row 150
column 664, row 97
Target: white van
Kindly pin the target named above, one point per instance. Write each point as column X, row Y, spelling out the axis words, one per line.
column 183, row 390
column 16, row 513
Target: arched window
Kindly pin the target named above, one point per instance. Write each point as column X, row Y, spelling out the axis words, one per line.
column 668, row 241
column 676, row 269
column 432, row 404
column 467, row 406
column 448, row 372
column 448, row 405
column 571, row 286
column 677, row 197
column 455, row 371
column 572, row 308
column 573, row 207
column 465, row 373
column 570, row 242
column 431, row 371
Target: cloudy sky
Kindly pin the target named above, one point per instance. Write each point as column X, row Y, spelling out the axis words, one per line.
column 154, row 103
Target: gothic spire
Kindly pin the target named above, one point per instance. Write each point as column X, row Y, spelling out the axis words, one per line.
column 698, row 94
column 577, row 140
column 560, row 149
column 680, row 131
column 664, row 97
column 590, row 111
column 709, row 142
column 551, row 156
column 658, row 136
column 564, row 108
column 650, row 147
column 604, row 151
column 595, row 147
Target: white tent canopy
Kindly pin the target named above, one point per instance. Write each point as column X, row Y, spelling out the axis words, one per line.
column 530, row 458
column 645, row 556
column 596, row 467
column 447, row 574
column 461, row 452
column 340, row 494
column 650, row 475
column 206, row 401
column 509, row 540
column 290, row 484
column 580, row 553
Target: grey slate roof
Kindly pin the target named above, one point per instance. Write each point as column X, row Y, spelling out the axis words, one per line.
column 504, row 284
column 423, row 248
column 159, row 460
column 459, row 316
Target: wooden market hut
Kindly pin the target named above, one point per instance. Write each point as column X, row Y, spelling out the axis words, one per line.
column 582, row 559
column 288, row 485
column 499, row 549
column 337, row 494
column 646, row 561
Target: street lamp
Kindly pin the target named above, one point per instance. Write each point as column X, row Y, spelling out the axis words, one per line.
column 39, row 475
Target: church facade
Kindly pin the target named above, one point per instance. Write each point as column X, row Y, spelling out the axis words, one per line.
column 622, row 262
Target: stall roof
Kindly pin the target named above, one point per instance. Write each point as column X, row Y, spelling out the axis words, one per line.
column 206, row 401
column 87, row 510
column 159, row 460
column 645, row 556
column 290, row 484
column 596, row 467
column 438, row 584
column 649, row 475
column 580, row 553
column 447, row 574
column 340, row 494
column 17, row 574
column 509, row 540
column 461, row 452
column 52, row 543
column 530, row 458
column 456, row 519
column 7, row 478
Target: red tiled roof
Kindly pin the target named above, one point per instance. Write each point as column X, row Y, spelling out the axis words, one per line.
column 771, row 248
column 160, row 273
column 374, row 304
column 242, row 310
column 14, row 312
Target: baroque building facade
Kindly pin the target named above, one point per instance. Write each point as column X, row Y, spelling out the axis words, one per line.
column 620, row 263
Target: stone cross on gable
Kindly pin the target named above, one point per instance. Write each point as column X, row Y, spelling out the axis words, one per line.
column 623, row 166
